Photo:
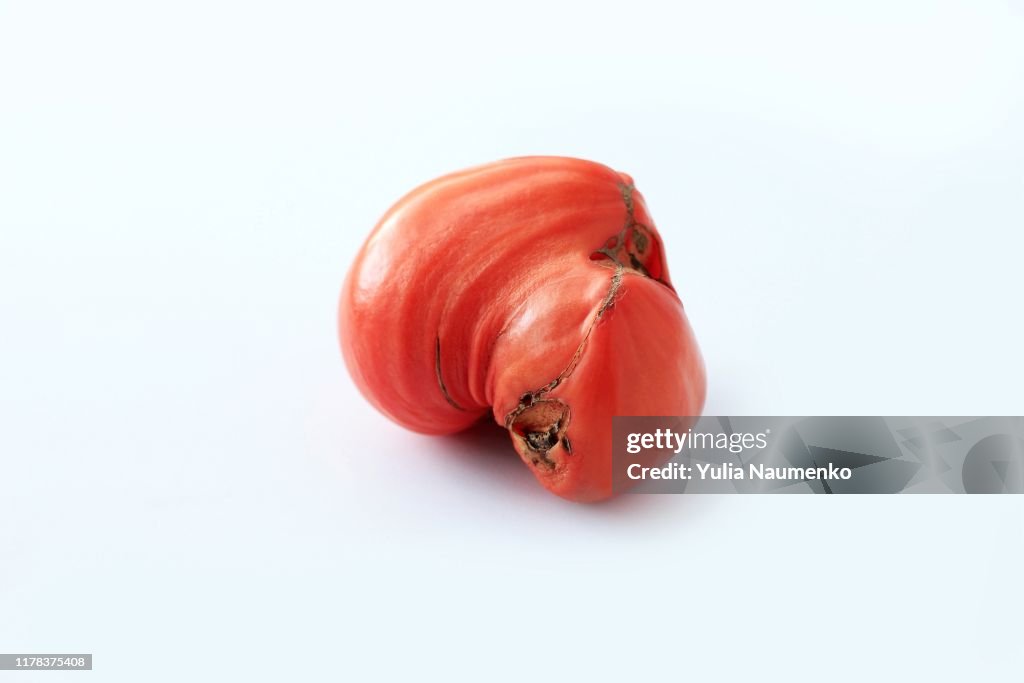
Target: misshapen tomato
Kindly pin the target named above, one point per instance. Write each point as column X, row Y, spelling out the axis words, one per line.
column 534, row 288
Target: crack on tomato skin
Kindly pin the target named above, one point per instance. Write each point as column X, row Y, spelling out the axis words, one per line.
column 440, row 380
column 532, row 397
column 635, row 241
column 627, row 190
column 608, row 302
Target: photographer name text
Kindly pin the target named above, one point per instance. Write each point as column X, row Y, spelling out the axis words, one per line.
column 675, row 470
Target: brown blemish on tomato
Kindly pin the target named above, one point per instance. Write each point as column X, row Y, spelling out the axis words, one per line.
column 540, row 429
column 636, row 246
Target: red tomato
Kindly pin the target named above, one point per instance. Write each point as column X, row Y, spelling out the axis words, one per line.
column 533, row 288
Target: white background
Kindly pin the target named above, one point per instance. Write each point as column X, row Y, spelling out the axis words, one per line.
column 192, row 489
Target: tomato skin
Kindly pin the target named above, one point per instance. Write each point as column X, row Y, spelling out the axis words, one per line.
column 534, row 288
